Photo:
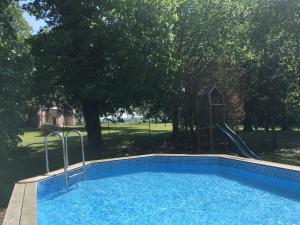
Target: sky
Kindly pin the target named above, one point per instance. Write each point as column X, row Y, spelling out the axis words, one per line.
column 33, row 23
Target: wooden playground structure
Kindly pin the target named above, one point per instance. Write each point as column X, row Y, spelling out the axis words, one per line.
column 209, row 109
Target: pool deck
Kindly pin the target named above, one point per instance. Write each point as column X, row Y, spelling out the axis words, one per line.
column 22, row 205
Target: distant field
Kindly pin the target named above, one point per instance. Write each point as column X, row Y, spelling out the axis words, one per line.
column 120, row 134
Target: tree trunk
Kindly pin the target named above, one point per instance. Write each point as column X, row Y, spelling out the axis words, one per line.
column 285, row 122
column 274, row 138
column 285, row 126
column 175, row 124
column 92, row 124
column 248, row 108
column 267, row 122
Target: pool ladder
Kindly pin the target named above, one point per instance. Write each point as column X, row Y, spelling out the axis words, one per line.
column 64, row 140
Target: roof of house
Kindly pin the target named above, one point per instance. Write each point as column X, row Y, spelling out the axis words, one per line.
column 207, row 90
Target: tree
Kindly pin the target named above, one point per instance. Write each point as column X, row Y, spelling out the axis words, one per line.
column 101, row 56
column 15, row 68
column 271, row 63
column 208, row 36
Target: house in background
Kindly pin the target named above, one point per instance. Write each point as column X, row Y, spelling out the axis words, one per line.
column 53, row 116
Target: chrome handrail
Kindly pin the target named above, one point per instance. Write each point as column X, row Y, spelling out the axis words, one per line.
column 82, row 148
column 64, row 153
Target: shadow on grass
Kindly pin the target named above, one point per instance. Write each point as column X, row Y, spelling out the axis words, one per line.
column 287, row 149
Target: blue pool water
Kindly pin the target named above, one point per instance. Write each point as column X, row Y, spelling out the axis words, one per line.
column 170, row 198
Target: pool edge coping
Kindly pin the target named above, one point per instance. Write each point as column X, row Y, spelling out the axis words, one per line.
column 21, row 209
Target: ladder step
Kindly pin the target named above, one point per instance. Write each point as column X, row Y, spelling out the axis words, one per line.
column 76, row 174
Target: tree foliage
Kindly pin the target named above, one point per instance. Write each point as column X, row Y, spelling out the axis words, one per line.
column 249, row 48
column 14, row 71
column 102, row 56
column 271, row 63
column 105, row 56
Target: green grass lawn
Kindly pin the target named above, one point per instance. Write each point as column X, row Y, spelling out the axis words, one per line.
column 287, row 150
column 28, row 159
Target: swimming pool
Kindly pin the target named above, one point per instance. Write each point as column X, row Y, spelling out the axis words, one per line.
column 172, row 189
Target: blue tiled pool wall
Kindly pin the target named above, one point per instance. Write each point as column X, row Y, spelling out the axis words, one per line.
column 249, row 173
